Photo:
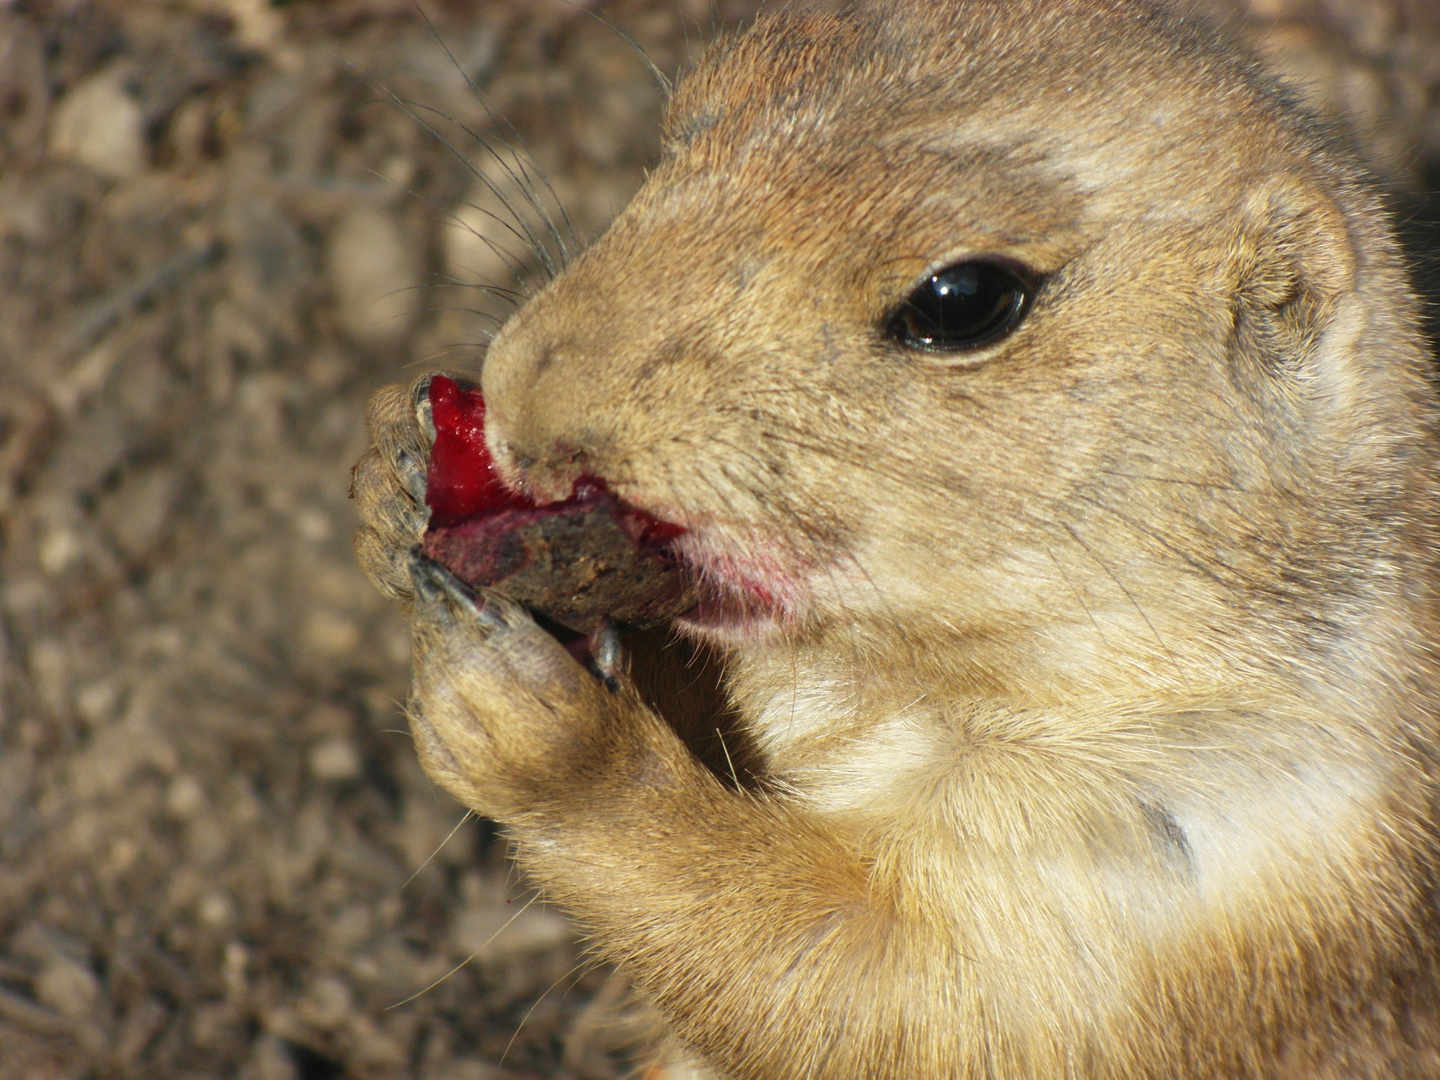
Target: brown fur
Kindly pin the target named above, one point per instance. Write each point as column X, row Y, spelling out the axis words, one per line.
column 1093, row 689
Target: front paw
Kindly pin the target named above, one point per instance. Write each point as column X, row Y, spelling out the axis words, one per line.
column 503, row 716
column 388, row 485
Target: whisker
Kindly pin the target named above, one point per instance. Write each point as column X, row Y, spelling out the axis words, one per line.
column 479, row 313
column 412, row 111
column 452, row 219
column 579, row 964
column 666, row 87
column 437, row 982
column 504, row 123
column 523, row 185
column 1209, row 485
column 1128, row 594
column 512, row 297
column 448, row 837
column 1189, row 559
column 537, row 246
column 1079, row 597
column 446, row 350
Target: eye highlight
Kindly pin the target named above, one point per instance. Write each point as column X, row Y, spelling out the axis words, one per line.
column 961, row 307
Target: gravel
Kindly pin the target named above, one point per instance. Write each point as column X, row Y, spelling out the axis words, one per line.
column 223, row 224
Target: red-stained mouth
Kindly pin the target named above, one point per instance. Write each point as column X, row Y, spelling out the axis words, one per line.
column 463, row 481
column 736, row 599
column 577, row 561
column 586, row 557
column 721, row 607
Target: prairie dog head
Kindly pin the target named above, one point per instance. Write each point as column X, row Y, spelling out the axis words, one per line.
column 1184, row 446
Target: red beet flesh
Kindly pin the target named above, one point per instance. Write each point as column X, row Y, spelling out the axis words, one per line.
column 574, row 561
column 462, row 481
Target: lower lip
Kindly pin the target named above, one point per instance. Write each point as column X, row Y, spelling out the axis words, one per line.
column 730, row 606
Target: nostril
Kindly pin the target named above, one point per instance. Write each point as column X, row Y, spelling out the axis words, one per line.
column 546, row 474
column 554, row 474
column 568, row 453
column 559, row 458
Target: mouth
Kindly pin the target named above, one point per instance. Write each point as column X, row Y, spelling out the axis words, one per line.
column 579, row 562
column 734, row 600
column 576, row 562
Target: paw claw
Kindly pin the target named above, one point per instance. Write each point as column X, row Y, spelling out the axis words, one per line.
column 436, row 585
column 607, row 654
column 413, row 476
column 494, row 615
column 420, row 401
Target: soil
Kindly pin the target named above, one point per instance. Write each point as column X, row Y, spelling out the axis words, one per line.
column 223, row 225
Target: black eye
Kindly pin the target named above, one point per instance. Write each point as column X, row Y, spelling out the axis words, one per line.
column 962, row 307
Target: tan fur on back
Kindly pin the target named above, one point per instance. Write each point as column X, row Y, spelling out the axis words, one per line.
column 1093, row 713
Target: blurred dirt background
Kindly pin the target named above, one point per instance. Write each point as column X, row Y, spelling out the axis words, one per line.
column 223, row 224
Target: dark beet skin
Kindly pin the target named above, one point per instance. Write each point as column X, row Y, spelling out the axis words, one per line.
column 574, row 562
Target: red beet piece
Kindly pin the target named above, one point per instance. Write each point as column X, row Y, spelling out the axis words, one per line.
column 574, row 561
column 462, row 480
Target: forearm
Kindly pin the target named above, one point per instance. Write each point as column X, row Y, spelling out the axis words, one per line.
column 752, row 922
column 755, row 923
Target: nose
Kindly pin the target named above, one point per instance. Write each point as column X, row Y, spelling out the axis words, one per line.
column 546, row 412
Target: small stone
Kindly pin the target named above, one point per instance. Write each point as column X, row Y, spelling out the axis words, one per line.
column 52, row 667
column 191, row 128
column 335, row 760
column 23, row 211
column 137, row 512
column 68, row 987
column 95, row 702
column 162, row 640
column 207, row 840
column 59, row 549
column 257, row 24
column 313, row 524
column 25, row 595
column 465, row 1069
column 329, row 1002
column 270, row 1060
column 213, row 1024
column 331, row 634
column 98, row 123
column 373, row 270
column 327, row 718
column 137, row 1028
column 17, row 771
column 351, row 928
column 184, row 797
column 123, row 853
column 93, row 446
column 215, row 910
column 237, row 964
column 374, row 1049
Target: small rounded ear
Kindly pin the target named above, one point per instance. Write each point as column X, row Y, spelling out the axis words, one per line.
column 1291, row 261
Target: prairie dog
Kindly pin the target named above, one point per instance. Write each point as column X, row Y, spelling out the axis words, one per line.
column 1042, row 398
